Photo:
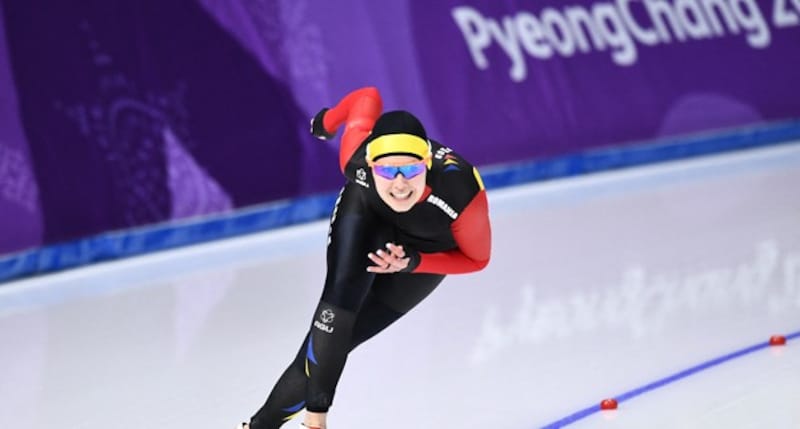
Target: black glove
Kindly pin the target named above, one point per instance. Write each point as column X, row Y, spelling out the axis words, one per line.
column 317, row 129
column 413, row 260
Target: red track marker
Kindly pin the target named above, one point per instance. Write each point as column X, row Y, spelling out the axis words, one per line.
column 608, row 404
column 777, row 340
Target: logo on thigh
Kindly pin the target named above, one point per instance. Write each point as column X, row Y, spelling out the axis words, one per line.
column 327, row 316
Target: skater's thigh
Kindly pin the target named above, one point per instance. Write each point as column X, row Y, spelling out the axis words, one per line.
column 391, row 297
column 355, row 231
column 403, row 291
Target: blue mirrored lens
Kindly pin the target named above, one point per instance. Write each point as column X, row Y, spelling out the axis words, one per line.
column 391, row 171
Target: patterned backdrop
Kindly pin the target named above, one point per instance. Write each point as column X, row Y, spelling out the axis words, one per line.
column 117, row 114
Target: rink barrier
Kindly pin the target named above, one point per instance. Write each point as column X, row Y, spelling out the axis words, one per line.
column 586, row 412
column 126, row 243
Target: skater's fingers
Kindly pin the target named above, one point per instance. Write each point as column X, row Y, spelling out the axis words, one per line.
column 396, row 263
column 396, row 250
column 377, row 270
column 381, row 270
column 386, row 262
column 400, row 264
column 382, row 263
column 378, row 259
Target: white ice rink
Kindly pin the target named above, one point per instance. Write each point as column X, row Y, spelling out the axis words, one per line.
column 598, row 286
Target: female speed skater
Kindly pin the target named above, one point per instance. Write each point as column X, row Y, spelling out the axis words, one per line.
column 412, row 211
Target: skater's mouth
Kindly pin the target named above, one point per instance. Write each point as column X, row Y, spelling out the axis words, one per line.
column 402, row 195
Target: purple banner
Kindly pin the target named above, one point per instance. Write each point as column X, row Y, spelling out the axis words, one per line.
column 544, row 78
column 141, row 112
column 20, row 217
column 524, row 79
column 118, row 114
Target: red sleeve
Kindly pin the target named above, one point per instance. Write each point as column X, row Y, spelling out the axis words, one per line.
column 473, row 236
column 358, row 110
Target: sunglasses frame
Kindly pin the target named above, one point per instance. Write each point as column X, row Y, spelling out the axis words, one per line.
column 397, row 167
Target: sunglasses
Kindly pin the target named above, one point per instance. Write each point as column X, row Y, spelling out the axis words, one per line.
column 409, row 171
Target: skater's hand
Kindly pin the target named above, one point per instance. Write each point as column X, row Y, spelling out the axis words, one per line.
column 393, row 259
column 317, row 129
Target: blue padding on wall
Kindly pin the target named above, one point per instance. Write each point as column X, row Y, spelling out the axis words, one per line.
column 636, row 155
column 115, row 245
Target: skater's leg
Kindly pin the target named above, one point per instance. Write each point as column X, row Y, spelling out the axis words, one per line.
column 354, row 233
column 391, row 297
column 287, row 398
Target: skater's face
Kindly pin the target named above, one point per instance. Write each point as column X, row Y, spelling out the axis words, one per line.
column 400, row 180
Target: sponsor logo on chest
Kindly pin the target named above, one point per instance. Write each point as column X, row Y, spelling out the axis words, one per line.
column 361, row 177
column 438, row 202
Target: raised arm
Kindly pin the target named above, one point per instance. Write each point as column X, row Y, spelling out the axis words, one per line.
column 358, row 111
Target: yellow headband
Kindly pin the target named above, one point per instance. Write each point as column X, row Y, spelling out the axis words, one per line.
column 398, row 144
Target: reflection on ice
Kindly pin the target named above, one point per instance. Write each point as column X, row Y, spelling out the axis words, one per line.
column 642, row 302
